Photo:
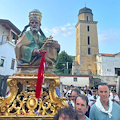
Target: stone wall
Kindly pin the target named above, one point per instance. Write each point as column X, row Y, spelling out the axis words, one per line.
column 110, row 80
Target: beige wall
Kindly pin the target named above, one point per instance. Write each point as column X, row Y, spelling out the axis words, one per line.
column 86, row 62
column 84, row 17
column 78, row 40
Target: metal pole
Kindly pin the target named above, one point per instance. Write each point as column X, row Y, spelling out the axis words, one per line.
column 67, row 68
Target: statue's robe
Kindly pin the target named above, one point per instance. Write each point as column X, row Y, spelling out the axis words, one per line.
column 27, row 43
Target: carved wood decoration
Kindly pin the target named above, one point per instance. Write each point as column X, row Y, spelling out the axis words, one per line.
column 25, row 105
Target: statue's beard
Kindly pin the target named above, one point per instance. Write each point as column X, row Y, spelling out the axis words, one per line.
column 35, row 30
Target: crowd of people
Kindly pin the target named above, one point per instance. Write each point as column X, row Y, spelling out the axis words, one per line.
column 99, row 103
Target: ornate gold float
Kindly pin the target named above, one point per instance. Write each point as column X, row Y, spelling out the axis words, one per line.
column 24, row 105
column 21, row 104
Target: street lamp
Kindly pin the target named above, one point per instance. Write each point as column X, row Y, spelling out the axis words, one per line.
column 67, row 70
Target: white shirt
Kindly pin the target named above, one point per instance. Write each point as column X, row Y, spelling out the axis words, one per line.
column 81, row 92
column 88, row 95
column 65, row 91
column 72, row 103
column 91, row 100
column 69, row 91
column 115, row 97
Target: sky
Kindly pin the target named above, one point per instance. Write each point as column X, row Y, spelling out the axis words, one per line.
column 59, row 18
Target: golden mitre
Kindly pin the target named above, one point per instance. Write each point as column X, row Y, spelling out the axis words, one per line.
column 35, row 15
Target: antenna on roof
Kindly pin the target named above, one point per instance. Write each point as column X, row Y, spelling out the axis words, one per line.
column 85, row 4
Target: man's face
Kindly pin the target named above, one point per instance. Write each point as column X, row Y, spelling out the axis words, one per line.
column 65, row 117
column 81, row 106
column 71, row 88
column 73, row 95
column 113, row 93
column 69, row 98
column 103, row 92
column 87, row 92
column 34, row 25
column 94, row 93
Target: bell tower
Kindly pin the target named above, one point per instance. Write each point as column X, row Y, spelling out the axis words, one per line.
column 86, row 42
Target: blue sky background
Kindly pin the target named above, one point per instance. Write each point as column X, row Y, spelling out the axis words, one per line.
column 60, row 16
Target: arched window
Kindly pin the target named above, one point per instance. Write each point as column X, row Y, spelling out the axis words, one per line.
column 88, row 28
column 89, row 51
column 88, row 40
column 87, row 18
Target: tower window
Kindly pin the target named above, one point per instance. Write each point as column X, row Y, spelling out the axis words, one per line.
column 12, row 64
column 89, row 51
column 88, row 28
column 1, row 62
column 87, row 18
column 88, row 40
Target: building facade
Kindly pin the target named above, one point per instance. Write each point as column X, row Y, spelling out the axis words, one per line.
column 80, row 81
column 8, row 31
column 8, row 38
column 108, row 68
column 86, row 43
column 7, row 59
column 108, row 64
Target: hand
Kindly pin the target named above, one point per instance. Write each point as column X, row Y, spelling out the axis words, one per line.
column 112, row 100
column 42, row 50
column 35, row 52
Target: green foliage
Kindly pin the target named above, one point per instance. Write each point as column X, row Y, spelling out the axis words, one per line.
column 64, row 63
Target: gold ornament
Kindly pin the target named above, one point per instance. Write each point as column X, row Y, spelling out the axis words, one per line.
column 35, row 15
column 25, row 106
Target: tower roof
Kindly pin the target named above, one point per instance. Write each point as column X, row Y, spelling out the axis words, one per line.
column 85, row 10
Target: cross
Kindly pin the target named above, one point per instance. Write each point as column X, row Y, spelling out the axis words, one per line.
column 50, row 37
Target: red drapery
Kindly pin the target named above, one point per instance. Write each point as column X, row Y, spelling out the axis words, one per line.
column 40, row 76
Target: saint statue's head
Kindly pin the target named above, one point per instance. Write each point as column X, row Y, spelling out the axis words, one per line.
column 35, row 20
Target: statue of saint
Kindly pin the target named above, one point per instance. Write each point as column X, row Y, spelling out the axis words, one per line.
column 32, row 42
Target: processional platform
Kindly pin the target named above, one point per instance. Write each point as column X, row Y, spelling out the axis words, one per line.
column 24, row 105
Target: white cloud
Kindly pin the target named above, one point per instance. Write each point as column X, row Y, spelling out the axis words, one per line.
column 65, row 30
column 70, row 33
column 46, row 30
column 64, row 34
column 71, row 28
column 109, row 35
column 68, row 24
column 55, row 31
column 102, row 37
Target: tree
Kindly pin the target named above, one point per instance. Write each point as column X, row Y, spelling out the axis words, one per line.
column 64, row 64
